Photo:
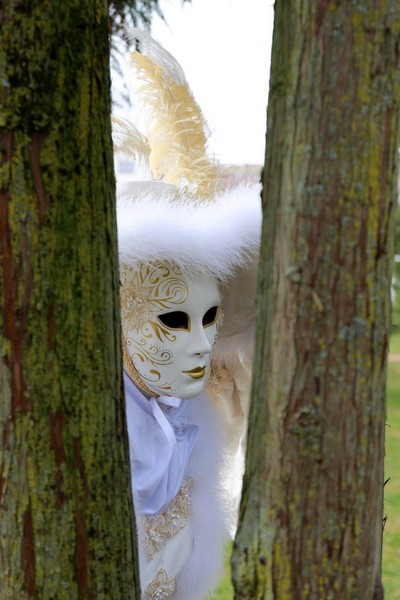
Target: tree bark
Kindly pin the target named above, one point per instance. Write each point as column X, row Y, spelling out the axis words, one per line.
column 65, row 500
column 311, row 514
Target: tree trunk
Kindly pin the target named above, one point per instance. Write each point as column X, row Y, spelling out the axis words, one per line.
column 65, row 500
column 311, row 513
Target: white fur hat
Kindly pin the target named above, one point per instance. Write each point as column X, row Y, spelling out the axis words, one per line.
column 156, row 222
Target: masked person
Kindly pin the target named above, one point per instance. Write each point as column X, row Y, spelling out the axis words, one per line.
column 188, row 258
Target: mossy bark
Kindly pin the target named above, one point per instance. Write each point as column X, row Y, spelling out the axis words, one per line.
column 65, row 500
column 311, row 513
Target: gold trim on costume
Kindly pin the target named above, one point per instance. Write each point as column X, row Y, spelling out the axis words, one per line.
column 160, row 528
column 162, row 587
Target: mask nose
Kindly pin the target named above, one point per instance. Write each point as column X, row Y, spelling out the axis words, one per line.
column 199, row 344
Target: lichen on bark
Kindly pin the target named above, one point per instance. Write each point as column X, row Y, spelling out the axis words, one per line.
column 65, row 500
column 311, row 518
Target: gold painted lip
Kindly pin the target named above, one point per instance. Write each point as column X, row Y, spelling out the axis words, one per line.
column 197, row 373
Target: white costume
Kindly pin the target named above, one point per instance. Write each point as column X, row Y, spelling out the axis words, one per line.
column 180, row 545
column 188, row 265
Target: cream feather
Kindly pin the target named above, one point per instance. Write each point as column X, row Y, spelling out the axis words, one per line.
column 128, row 140
column 175, row 126
column 159, row 55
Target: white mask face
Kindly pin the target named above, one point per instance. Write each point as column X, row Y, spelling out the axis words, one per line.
column 170, row 324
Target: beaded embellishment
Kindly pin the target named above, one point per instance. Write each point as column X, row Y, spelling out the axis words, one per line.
column 162, row 587
column 161, row 527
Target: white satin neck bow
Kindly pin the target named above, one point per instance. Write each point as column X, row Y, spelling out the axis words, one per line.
column 168, row 401
column 161, row 441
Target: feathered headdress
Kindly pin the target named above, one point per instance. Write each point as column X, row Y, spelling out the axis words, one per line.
column 175, row 127
column 185, row 216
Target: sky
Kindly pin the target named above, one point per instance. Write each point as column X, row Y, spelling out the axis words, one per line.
column 224, row 48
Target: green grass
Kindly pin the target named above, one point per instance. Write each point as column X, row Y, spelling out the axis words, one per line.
column 395, row 342
column 225, row 589
column 391, row 538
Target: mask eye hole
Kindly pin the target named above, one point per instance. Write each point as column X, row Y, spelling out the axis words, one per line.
column 175, row 320
column 210, row 317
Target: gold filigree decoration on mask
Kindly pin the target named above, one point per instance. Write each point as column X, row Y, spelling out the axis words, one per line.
column 152, row 355
column 145, row 291
column 133, row 373
column 134, row 306
column 148, row 289
column 162, row 587
column 160, row 528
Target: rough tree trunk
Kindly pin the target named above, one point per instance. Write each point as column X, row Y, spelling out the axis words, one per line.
column 311, row 513
column 65, row 502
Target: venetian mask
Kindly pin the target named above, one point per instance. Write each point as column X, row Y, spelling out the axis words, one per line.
column 170, row 323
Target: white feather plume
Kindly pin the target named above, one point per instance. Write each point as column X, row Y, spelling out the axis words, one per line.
column 159, row 55
column 175, row 127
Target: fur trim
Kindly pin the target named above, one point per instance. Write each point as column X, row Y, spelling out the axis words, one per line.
column 213, row 516
column 215, row 238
